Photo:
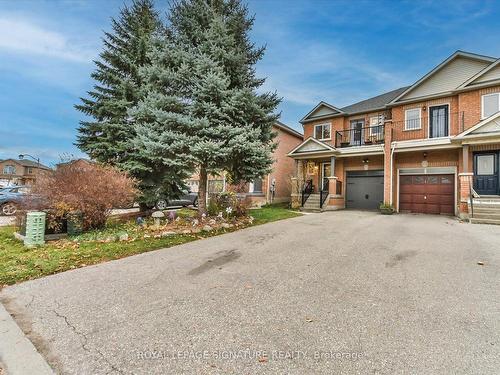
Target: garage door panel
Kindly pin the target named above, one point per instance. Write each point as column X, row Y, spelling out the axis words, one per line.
column 432, row 194
column 365, row 191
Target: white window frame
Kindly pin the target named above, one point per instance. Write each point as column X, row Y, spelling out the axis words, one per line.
column 9, row 169
column 379, row 122
column 482, row 103
column 322, row 132
column 419, row 118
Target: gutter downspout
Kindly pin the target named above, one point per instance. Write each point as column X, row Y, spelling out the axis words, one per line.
column 392, row 169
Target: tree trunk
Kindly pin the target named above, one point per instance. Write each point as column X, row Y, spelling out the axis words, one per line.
column 202, row 192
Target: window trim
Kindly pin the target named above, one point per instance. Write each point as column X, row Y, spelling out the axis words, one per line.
column 322, row 133
column 419, row 118
column 448, row 125
column 482, row 103
column 12, row 168
column 375, row 126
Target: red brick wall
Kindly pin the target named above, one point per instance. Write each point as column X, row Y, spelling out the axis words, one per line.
column 284, row 166
column 470, row 103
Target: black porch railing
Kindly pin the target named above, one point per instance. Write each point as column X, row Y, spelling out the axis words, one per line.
column 360, row 136
column 323, row 194
column 306, row 191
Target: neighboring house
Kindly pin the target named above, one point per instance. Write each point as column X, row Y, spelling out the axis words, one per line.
column 80, row 163
column 274, row 187
column 422, row 148
column 19, row 172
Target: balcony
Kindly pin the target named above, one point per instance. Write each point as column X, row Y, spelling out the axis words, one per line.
column 429, row 126
column 360, row 136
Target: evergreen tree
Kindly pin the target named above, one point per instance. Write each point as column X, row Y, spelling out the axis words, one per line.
column 162, row 124
column 107, row 135
column 225, row 124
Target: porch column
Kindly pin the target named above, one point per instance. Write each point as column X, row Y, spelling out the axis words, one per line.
column 332, row 166
column 465, row 158
column 297, row 183
column 465, row 181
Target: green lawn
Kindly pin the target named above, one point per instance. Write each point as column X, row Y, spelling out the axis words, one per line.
column 18, row 263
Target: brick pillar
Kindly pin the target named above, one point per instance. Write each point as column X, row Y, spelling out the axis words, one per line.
column 465, row 181
column 297, row 183
column 388, row 185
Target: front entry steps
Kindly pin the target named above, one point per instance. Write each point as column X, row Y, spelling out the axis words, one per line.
column 312, row 204
column 486, row 210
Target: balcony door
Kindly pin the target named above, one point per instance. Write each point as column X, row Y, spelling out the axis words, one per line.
column 356, row 136
column 438, row 121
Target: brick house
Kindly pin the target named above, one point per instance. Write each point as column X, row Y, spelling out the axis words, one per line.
column 19, row 171
column 423, row 148
column 273, row 187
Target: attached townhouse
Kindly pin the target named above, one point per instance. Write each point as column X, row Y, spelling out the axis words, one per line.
column 432, row 147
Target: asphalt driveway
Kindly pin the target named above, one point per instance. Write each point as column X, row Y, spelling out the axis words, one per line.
column 339, row 292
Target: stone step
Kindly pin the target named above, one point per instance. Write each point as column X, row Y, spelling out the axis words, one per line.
column 484, row 221
column 304, row 209
column 482, row 215
column 486, row 206
column 486, row 210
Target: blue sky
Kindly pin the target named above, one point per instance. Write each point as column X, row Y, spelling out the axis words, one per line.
column 337, row 51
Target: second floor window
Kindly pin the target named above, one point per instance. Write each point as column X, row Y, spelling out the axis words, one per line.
column 9, row 169
column 376, row 127
column 322, row 132
column 412, row 119
column 490, row 104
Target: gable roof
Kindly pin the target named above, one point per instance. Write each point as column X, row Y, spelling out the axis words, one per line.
column 322, row 110
column 447, row 76
column 490, row 73
column 488, row 125
column 372, row 104
column 26, row 163
column 311, row 145
column 288, row 129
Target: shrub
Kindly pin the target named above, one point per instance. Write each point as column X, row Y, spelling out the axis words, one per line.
column 92, row 190
column 228, row 204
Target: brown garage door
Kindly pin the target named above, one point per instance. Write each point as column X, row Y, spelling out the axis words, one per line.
column 428, row 194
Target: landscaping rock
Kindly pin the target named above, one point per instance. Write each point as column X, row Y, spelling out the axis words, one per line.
column 196, row 230
column 157, row 216
column 123, row 237
column 195, row 222
column 212, row 222
column 186, row 231
column 166, row 234
column 207, row 228
column 226, row 225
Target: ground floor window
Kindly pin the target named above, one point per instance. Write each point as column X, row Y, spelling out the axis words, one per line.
column 255, row 186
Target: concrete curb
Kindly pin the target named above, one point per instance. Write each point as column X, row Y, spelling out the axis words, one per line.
column 17, row 353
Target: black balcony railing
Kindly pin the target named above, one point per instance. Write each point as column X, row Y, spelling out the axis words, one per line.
column 323, row 194
column 306, row 191
column 435, row 125
column 362, row 136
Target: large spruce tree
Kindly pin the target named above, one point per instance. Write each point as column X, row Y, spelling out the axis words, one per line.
column 217, row 121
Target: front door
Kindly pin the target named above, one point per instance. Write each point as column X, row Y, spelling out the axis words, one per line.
column 486, row 173
column 325, row 173
column 438, row 121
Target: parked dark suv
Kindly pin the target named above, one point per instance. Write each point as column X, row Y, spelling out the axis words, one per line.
column 187, row 199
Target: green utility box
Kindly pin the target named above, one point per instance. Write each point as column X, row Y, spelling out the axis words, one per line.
column 35, row 229
column 75, row 223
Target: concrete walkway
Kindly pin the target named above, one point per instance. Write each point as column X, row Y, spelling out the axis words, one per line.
column 337, row 292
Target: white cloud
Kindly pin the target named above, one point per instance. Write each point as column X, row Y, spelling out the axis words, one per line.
column 21, row 35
